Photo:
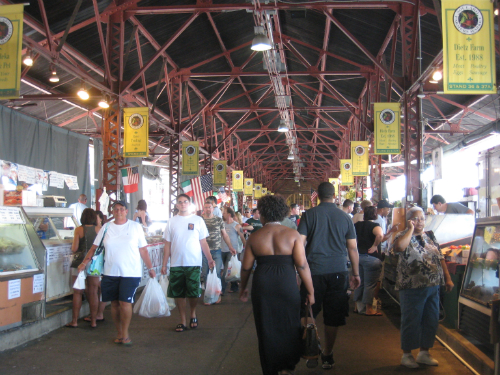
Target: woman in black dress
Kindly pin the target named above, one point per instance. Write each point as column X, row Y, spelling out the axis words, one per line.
column 278, row 250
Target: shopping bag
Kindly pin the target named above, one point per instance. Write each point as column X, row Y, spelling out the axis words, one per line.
column 233, row 269
column 310, row 339
column 80, row 281
column 213, row 288
column 164, row 287
column 153, row 302
column 96, row 266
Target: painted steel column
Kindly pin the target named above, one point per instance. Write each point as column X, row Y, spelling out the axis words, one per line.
column 175, row 98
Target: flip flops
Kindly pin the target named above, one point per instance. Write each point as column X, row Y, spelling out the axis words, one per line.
column 70, row 326
column 193, row 321
column 87, row 319
column 375, row 314
column 180, row 328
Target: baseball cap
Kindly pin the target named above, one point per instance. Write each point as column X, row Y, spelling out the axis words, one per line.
column 384, row 204
column 121, row 203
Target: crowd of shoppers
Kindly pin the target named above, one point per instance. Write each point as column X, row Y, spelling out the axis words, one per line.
column 281, row 255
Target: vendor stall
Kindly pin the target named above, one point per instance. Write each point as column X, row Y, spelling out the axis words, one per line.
column 480, row 287
column 22, row 265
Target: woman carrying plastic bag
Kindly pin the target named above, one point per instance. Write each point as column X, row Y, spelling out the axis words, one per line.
column 153, row 302
column 213, row 288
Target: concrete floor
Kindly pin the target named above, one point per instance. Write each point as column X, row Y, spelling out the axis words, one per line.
column 225, row 343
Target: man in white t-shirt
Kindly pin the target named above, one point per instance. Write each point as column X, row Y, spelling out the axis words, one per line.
column 125, row 245
column 185, row 239
column 78, row 208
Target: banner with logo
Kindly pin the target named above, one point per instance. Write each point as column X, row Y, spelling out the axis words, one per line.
column 11, row 45
column 346, row 171
column 335, row 182
column 258, row 191
column 468, row 47
column 248, row 186
column 387, row 128
column 190, row 158
column 220, row 172
column 136, row 132
column 237, row 180
column 264, row 191
column 360, row 158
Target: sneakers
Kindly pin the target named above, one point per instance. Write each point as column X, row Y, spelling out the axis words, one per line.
column 328, row 361
column 426, row 359
column 409, row 361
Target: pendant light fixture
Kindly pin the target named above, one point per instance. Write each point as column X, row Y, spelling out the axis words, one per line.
column 283, row 128
column 28, row 59
column 53, row 78
column 290, row 155
column 83, row 93
column 104, row 102
column 260, row 41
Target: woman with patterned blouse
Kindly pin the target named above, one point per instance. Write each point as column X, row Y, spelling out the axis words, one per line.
column 421, row 271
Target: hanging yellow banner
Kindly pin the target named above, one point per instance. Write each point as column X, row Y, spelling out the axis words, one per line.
column 258, row 190
column 264, row 191
column 346, row 171
column 468, row 47
column 11, row 45
column 360, row 158
column 387, row 128
column 237, row 180
column 136, row 132
column 220, row 172
column 335, row 183
column 249, row 186
column 190, row 158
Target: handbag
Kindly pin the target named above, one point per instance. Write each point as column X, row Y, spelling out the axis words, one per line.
column 96, row 265
column 311, row 347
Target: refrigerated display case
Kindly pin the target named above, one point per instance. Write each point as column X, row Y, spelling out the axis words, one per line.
column 50, row 224
column 480, row 286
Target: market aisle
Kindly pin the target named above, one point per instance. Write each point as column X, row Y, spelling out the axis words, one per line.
column 224, row 344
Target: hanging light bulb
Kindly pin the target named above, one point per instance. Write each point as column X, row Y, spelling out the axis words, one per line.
column 260, row 41
column 28, row 60
column 290, row 155
column 54, row 78
column 83, row 93
column 104, row 102
column 283, row 128
column 437, row 75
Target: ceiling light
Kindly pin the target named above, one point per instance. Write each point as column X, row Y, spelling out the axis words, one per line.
column 290, row 156
column 83, row 93
column 260, row 41
column 496, row 12
column 283, row 128
column 433, row 81
column 54, row 78
column 28, row 60
column 437, row 75
column 104, row 102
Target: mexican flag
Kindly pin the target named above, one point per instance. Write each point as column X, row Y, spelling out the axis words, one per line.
column 130, row 179
column 187, row 188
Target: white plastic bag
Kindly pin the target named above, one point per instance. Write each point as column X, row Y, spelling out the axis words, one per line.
column 80, row 281
column 153, row 302
column 233, row 269
column 213, row 288
column 164, row 286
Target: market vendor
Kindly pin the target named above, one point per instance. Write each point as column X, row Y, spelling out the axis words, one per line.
column 440, row 205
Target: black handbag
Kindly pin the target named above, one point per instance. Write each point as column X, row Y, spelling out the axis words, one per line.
column 311, row 348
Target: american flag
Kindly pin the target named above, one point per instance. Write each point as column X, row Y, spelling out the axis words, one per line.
column 314, row 197
column 133, row 175
column 202, row 188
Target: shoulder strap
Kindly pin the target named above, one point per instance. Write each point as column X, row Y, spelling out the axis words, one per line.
column 100, row 249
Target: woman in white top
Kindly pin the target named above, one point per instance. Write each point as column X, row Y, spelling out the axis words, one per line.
column 125, row 245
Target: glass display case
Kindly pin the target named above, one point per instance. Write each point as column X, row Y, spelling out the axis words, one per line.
column 481, row 283
column 52, row 223
column 18, row 251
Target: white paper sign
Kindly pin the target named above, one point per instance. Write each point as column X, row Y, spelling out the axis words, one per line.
column 38, row 283
column 10, row 215
column 56, row 180
column 31, row 175
column 14, row 289
column 71, row 182
column 22, row 173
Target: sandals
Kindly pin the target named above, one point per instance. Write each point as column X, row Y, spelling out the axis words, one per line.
column 180, row 328
column 126, row 342
column 193, row 321
column 374, row 314
column 87, row 319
